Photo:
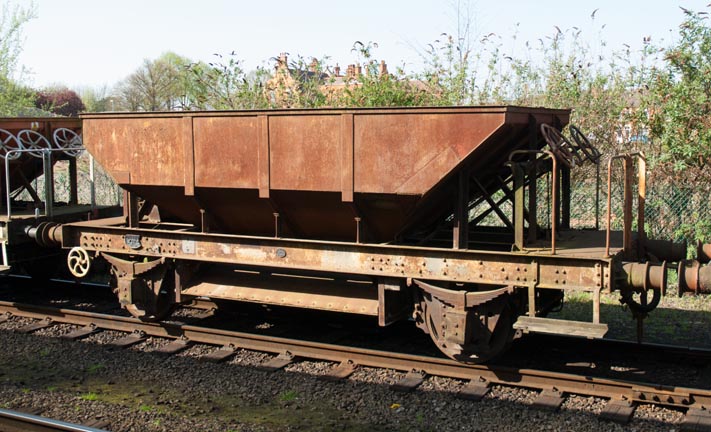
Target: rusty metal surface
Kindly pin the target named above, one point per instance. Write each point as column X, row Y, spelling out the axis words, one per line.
column 694, row 277
column 13, row 421
column 483, row 267
column 43, row 125
column 308, row 292
column 319, row 169
column 541, row 270
column 703, row 252
column 627, row 163
column 481, row 374
column 26, row 167
column 665, row 250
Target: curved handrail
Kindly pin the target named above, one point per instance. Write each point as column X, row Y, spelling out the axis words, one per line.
column 554, row 210
column 642, row 169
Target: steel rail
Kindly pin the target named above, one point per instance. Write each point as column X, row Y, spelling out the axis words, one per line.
column 631, row 391
column 13, row 421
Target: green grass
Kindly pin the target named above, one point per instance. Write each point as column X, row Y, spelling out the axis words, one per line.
column 288, row 396
column 682, row 321
column 94, row 368
column 91, row 396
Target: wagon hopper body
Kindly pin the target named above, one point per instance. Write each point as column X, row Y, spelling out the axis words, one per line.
column 317, row 169
column 372, row 211
column 31, row 148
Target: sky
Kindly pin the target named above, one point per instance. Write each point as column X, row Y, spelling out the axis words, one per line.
column 95, row 43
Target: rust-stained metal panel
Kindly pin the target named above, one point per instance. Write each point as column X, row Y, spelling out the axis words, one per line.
column 318, row 169
column 226, row 152
column 409, row 153
column 304, row 152
column 150, row 149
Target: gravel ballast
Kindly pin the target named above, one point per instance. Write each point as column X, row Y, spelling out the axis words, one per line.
column 134, row 390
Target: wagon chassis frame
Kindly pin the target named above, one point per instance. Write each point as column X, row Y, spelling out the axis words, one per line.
column 487, row 269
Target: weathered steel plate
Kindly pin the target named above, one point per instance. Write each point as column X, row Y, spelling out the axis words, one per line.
column 318, row 169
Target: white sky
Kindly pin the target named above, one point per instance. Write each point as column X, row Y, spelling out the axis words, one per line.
column 89, row 43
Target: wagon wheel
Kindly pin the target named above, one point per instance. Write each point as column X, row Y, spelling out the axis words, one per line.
column 156, row 303
column 152, row 292
column 561, row 147
column 8, row 142
column 69, row 141
column 592, row 153
column 33, row 140
column 484, row 344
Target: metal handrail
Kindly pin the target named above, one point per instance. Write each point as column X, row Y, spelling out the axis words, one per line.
column 46, row 159
column 641, row 196
column 554, row 210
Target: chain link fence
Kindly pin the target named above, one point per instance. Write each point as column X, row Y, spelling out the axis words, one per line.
column 672, row 211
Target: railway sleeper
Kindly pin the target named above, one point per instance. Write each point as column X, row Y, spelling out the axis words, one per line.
column 549, row 399
column 342, row 371
column 38, row 325
column 410, row 381
column 696, row 420
column 221, row 354
column 475, row 389
column 280, row 361
column 618, row 411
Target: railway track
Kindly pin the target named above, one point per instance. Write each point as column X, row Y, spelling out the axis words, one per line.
column 14, row 421
column 623, row 396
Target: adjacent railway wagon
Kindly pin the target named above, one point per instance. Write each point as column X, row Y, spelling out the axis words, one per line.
column 32, row 149
column 381, row 212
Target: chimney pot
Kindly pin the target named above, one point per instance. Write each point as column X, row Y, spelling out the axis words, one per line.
column 383, row 70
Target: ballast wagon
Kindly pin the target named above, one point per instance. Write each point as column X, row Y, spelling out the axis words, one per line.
column 379, row 212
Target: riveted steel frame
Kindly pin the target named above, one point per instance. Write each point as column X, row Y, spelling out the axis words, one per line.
column 531, row 270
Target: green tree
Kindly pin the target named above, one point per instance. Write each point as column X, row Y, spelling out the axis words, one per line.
column 375, row 86
column 224, row 84
column 158, row 85
column 97, row 99
column 678, row 102
column 15, row 98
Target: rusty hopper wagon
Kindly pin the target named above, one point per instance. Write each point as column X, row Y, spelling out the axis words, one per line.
column 379, row 212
